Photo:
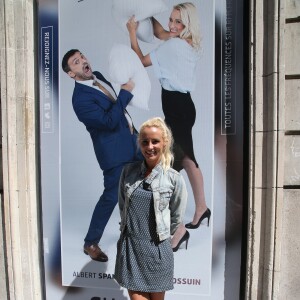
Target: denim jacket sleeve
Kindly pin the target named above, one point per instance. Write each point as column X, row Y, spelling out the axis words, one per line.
column 178, row 203
column 127, row 183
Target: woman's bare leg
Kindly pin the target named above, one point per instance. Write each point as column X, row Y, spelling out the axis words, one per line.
column 179, row 233
column 157, row 296
column 196, row 180
column 134, row 295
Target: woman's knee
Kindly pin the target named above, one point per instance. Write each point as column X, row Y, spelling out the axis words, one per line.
column 187, row 163
column 136, row 295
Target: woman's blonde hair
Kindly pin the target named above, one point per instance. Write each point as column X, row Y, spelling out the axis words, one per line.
column 167, row 155
column 190, row 19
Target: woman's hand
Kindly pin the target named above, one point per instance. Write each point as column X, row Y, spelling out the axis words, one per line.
column 132, row 24
column 128, row 86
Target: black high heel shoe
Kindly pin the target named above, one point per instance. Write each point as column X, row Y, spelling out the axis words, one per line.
column 205, row 215
column 185, row 239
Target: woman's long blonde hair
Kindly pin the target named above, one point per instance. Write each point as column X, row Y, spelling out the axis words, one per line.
column 190, row 19
column 167, row 155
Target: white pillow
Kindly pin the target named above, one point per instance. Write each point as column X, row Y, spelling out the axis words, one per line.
column 122, row 10
column 144, row 31
column 124, row 64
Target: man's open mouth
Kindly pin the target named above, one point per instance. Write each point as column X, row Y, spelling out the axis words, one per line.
column 86, row 68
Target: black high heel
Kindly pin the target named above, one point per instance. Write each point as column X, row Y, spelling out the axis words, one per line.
column 205, row 215
column 185, row 239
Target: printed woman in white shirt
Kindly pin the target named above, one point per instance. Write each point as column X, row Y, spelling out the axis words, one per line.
column 174, row 63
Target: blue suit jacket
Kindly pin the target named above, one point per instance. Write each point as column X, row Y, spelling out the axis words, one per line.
column 105, row 121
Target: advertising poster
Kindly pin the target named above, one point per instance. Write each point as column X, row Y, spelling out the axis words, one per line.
column 207, row 265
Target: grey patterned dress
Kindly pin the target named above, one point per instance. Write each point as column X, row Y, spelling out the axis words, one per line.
column 143, row 263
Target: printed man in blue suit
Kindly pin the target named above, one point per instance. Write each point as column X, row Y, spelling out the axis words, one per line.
column 114, row 137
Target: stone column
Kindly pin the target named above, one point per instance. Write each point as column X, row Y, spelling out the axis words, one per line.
column 19, row 109
column 266, row 148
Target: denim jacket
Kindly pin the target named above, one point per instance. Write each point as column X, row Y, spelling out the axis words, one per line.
column 169, row 195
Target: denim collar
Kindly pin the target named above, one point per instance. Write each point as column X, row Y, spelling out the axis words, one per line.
column 155, row 171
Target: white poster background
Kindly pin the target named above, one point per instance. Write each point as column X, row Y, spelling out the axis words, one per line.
column 88, row 26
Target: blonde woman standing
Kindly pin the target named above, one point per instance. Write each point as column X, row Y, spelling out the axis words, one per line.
column 152, row 201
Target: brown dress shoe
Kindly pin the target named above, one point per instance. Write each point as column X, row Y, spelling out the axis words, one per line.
column 95, row 253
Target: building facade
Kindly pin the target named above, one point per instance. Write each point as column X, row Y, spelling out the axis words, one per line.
column 272, row 265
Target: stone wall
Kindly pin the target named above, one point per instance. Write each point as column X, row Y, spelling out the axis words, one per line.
column 273, row 243
column 289, row 287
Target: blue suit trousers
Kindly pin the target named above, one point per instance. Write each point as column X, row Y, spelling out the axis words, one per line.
column 104, row 206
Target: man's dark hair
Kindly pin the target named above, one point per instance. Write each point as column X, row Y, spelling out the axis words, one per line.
column 64, row 62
